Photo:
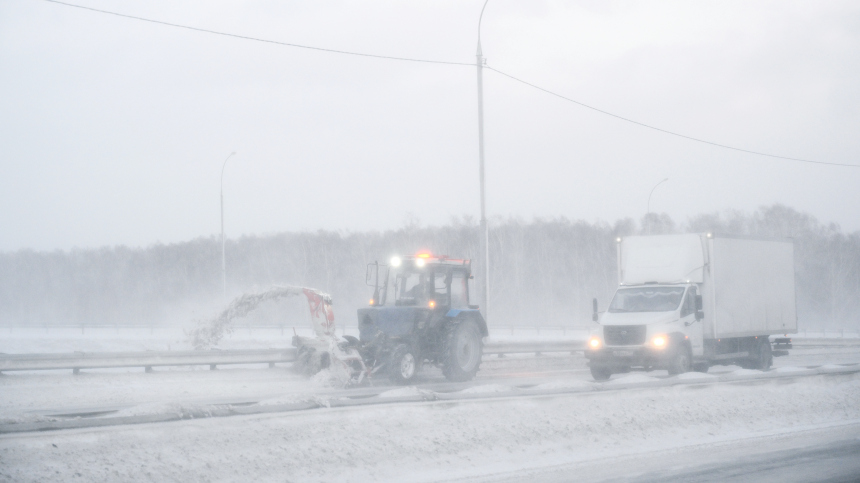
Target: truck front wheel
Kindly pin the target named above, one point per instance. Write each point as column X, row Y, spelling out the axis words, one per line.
column 600, row 372
column 680, row 361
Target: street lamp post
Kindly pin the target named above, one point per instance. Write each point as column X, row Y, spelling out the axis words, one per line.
column 649, row 202
column 223, row 257
column 485, row 231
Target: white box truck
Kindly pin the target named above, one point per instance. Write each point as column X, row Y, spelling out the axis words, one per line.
column 695, row 300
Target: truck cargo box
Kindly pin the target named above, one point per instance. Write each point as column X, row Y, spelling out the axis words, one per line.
column 752, row 288
column 747, row 285
column 661, row 258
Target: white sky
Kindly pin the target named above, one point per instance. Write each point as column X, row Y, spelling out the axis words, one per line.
column 113, row 131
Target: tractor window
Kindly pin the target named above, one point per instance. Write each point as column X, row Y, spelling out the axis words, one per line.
column 459, row 293
column 410, row 289
column 440, row 292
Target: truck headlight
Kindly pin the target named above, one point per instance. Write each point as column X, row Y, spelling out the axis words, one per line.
column 594, row 343
column 659, row 341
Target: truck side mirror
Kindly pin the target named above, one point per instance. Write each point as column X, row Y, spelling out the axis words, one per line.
column 594, row 309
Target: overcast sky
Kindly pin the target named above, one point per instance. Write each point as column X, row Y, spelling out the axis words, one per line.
column 114, row 131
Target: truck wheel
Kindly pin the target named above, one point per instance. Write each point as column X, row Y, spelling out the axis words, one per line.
column 600, row 373
column 680, row 362
column 764, row 357
column 461, row 351
column 403, row 365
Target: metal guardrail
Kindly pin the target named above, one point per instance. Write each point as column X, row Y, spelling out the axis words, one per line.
column 149, row 359
column 213, row 358
column 533, row 347
column 281, row 327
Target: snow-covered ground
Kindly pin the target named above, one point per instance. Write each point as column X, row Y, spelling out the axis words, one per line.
column 486, row 439
column 648, row 431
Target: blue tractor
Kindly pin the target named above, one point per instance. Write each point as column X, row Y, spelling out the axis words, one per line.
column 420, row 313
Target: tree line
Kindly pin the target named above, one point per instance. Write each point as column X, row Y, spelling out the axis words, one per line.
column 543, row 272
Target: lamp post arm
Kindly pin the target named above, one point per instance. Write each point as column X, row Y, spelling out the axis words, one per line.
column 480, row 18
column 652, row 192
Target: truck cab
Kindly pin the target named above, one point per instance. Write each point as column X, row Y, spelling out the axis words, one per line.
column 649, row 326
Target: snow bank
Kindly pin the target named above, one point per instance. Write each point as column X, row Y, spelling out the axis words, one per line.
column 488, row 389
column 746, row 372
column 789, row 369
column 285, row 399
column 692, row 376
column 632, row 379
column 405, row 392
column 573, row 384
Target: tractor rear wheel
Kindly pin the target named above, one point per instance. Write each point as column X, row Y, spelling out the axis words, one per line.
column 462, row 348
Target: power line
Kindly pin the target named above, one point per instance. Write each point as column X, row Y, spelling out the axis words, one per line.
column 256, row 39
column 409, row 59
column 664, row 130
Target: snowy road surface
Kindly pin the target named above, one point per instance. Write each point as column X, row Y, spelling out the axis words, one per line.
column 440, row 441
column 28, row 396
column 802, row 428
column 827, row 453
column 544, row 438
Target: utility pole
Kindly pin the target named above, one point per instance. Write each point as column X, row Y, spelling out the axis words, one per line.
column 223, row 257
column 485, row 230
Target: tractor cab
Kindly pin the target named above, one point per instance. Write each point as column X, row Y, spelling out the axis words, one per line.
column 422, row 280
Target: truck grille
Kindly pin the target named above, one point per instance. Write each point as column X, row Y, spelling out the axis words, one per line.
column 624, row 334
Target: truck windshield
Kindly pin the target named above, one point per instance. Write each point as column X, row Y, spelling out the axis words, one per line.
column 647, row 299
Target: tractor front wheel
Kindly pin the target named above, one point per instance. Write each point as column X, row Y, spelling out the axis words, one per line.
column 403, row 365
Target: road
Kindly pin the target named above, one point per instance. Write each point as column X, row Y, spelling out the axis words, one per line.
column 729, row 430
column 104, row 391
column 829, row 453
